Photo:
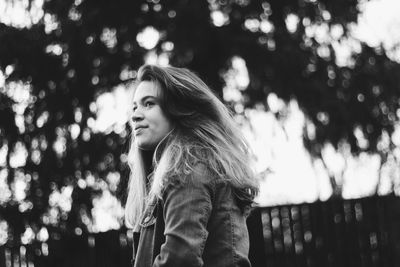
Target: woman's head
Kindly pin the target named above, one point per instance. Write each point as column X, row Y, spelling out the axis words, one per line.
column 184, row 97
column 200, row 129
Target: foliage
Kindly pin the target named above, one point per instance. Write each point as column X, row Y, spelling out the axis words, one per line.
column 81, row 49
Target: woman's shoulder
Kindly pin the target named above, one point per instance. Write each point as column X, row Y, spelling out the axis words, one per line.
column 197, row 174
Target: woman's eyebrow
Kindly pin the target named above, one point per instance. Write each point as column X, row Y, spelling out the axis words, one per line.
column 143, row 99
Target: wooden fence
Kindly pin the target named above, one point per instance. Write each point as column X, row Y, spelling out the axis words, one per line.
column 354, row 233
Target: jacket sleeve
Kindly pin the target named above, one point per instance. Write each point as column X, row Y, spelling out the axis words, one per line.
column 187, row 208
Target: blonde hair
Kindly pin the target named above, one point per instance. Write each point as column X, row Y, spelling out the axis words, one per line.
column 204, row 132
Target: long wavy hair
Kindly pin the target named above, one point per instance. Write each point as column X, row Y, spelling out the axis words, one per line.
column 204, row 131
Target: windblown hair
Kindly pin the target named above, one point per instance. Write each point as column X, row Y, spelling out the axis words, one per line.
column 204, row 132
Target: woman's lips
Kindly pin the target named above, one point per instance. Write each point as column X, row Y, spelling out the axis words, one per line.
column 138, row 130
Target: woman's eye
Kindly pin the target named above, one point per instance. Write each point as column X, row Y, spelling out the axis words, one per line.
column 148, row 104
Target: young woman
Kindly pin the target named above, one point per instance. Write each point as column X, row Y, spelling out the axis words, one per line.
column 191, row 186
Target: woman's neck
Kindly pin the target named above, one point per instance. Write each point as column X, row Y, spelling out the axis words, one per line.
column 148, row 160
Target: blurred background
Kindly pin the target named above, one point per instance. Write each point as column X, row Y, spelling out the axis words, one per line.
column 314, row 84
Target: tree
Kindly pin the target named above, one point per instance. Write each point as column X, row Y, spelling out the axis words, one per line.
column 80, row 49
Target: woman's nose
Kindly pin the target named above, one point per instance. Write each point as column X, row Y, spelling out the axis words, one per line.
column 137, row 115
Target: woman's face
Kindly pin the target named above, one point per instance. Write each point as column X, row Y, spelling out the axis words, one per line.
column 150, row 124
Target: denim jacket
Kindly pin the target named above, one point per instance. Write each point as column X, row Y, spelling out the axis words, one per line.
column 199, row 221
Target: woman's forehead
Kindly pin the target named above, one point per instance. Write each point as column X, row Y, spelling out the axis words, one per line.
column 146, row 89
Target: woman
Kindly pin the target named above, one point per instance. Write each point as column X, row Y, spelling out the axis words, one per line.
column 191, row 185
